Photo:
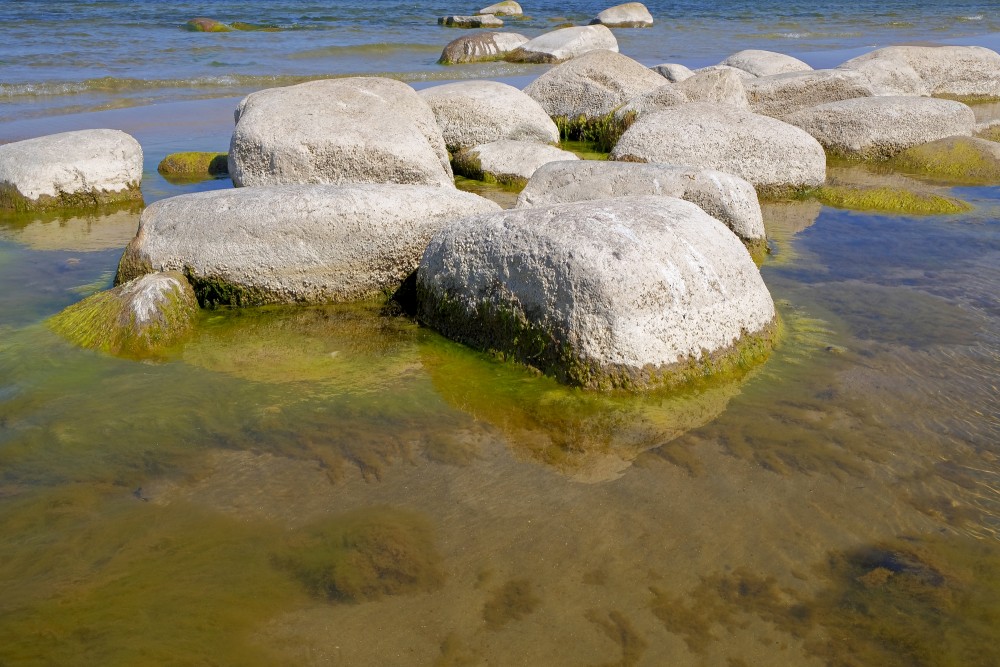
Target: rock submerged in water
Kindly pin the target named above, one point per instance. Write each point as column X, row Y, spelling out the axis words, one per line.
column 194, row 166
column 628, row 293
column 294, row 243
column 475, row 21
column 509, row 163
column 505, row 8
column 140, row 317
column 961, row 160
column 628, row 15
column 74, row 170
column 480, row 47
column 564, row 44
column 203, row 24
column 351, row 130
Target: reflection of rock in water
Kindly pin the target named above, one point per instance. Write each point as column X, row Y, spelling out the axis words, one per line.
column 782, row 221
column 587, row 436
column 83, row 233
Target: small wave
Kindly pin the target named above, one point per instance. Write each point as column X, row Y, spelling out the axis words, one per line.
column 380, row 48
column 977, row 17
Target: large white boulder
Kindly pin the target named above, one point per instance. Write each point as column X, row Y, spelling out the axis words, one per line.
column 876, row 128
column 505, row 8
column 508, row 162
column 615, row 293
column 765, row 63
column 961, row 71
column 71, row 169
column 728, row 198
column 722, row 86
column 352, row 130
column 480, row 47
column 470, row 113
column 766, row 152
column 628, row 15
column 294, row 243
column 666, row 96
column 592, row 85
column 565, row 44
column 781, row 94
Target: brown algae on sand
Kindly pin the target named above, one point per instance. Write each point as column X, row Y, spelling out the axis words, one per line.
column 511, row 602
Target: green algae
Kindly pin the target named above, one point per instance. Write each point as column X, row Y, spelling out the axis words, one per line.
column 513, row 601
column 956, row 160
column 11, row 199
column 602, row 132
column 206, row 25
column 193, row 166
column 585, row 150
column 364, row 556
column 254, row 27
column 467, row 163
column 887, row 200
column 505, row 197
column 990, row 133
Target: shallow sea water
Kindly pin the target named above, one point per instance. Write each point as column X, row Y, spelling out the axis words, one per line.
column 338, row 486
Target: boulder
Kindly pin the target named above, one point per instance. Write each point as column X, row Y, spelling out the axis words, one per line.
column 742, row 73
column 592, row 85
column 471, row 113
column 959, row 71
column 140, row 317
column 564, row 44
column 628, row 15
column 476, row 21
column 203, row 24
column 781, row 94
column 673, row 72
column 722, row 86
column 507, row 162
column 770, row 154
column 876, row 128
column 352, row 130
column 505, row 8
column 80, row 169
column 480, row 47
column 725, row 197
column 625, row 293
column 765, row 63
column 961, row 160
column 193, row 166
column 665, row 97
column 294, row 243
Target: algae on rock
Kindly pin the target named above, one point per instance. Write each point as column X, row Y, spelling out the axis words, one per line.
column 195, row 165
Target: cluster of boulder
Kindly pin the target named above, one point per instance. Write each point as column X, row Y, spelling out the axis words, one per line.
column 630, row 273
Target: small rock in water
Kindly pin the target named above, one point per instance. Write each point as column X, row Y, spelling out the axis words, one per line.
column 475, row 21
column 628, row 15
column 202, row 24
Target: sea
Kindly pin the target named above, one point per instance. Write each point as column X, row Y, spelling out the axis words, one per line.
column 339, row 485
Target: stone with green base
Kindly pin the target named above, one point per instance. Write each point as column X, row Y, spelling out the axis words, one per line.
column 194, row 165
column 139, row 318
column 628, row 15
column 504, row 8
column 480, row 47
column 70, row 170
column 959, row 160
column 203, row 24
column 509, row 163
column 630, row 293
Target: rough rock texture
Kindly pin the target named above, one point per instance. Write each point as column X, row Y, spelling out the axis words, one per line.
column 508, row 162
column 476, row 21
column 471, row 113
column 673, row 72
column 876, row 128
column 592, row 85
column 767, row 152
column 765, row 63
column 140, row 317
column 721, row 86
column 480, row 47
column 565, row 44
column 742, row 73
column 725, row 197
column 294, row 243
column 781, row 94
column 962, row 160
column 505, row 8
column 617, row 293
column 628, row 15
column 353, row 130
column 78, row 169
column 665, row 97
column 962, row 71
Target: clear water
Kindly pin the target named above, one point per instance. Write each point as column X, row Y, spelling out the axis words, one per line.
column 334, row 486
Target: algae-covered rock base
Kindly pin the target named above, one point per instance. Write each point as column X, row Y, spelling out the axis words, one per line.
column 141, row 317
column 480, row 47
column 960, row 160
column 192, row 166
column 626, row 293
column 70, row 170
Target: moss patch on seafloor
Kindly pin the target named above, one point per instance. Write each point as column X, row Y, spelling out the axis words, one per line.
column 11, row 199
column 191, row 166
column 885, row 200
column 508, row 334
column 602, row 133
column 958, row 160
column 364, row 555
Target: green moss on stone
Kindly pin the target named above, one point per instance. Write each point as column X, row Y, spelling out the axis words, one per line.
column 990, row 133
column 194, row 166
column 206, row 25
column 886, row 200
column 959, row 160
column 467, row 163
column 11, row 199
column 602, row 132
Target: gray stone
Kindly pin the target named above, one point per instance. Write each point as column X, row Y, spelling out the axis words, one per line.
column 742, row 73
column 507, row 162
column 505, row 8
column 352, row 130
column 616, row 293
column 475, row 21
column 294, row 243
column 765, row 63
column 673, row 72
column 78, row 169
column 471, row 113
column 725, row 197
column 592, row 85
column 628, row 15
column 876, row 128
column 480, row 47
column 961, row 71
column 781, row 94
column 766, row 152
column 722, row 86
column 565, row 44
column 665, row 97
